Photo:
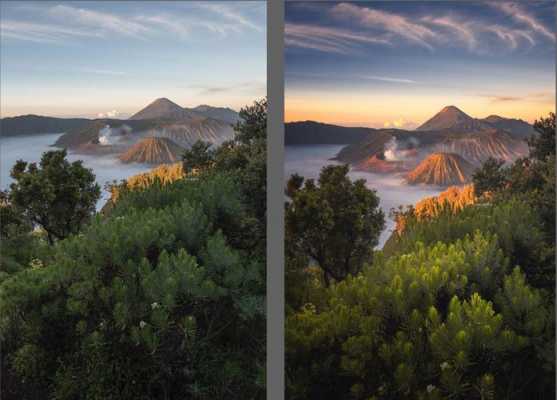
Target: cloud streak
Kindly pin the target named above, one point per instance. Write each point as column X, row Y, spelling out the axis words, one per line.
column 541, row 96
column 68, row 22
column 520, row 15
column 255, row 87
column 101, row 21
column 41, row 33
column 392, row 23
column 462, row 30
column 433, row 31
column 326, row 39
column 102, row 72
column 388, row 79
column 230, row 14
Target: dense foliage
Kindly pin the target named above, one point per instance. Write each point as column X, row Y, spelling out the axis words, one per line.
column 246, row 158
column 531, row 178
column 336, row 222
column 443, row 321
column 458, row 305
column 162, row 297
column 57, row 195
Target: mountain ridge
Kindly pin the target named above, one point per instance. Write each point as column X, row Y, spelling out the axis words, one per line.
column 35, row 124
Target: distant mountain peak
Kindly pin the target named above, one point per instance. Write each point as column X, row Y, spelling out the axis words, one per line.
column 449, row 117
column 163, row 100
column 162, row 108
column 452, row 108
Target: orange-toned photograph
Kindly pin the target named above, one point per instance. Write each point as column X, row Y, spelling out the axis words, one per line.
column 420, row 200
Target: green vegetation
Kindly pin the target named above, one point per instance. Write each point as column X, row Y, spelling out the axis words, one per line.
column 337, row 222
column 57, row 195
column 161, row 297
column 458, row 305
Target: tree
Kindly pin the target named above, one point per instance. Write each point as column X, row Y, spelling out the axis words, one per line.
column 253, row 123
column 337, row 222
column 294, row 184
column 490, row 177
column 16, row 245
column 543, row 145
column 198, row 157
column 57, row 195
column 245, row 158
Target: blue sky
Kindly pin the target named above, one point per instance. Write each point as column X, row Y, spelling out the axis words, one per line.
column 398, row 63
column 112, row 58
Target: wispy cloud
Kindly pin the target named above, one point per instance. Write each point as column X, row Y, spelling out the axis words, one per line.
column 522, row 16
column 168, row 23
column 462, row 30
column 102, row 21
column 388, row 79
column 539, row 96
column 41, row 33
column 102, row 72
column 511, row 36
column 255, row 87
column 351, row 77
column 396, row 24
column 432, row 31
column 230, row 14
column 325, row 39
column 67, row 22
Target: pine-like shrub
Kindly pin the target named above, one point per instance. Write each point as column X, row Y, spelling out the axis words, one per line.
column 442, row 321
column 515, row 222
column 161, row 299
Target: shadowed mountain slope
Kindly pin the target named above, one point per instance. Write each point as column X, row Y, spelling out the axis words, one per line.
column 311, row 132
column 33, row 124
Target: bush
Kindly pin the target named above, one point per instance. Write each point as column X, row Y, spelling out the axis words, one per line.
column 158, row 300
column 440, row 321
column 517, row 225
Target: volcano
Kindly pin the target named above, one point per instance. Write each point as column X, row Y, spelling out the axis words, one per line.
column 163, row 108
column 153, row 150
column 453, row 119
column 442, row 169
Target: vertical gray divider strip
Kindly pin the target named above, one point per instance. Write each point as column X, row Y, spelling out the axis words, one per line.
column 275, row 200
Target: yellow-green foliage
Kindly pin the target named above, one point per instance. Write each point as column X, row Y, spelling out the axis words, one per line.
column 163, row 174
column 442, row 321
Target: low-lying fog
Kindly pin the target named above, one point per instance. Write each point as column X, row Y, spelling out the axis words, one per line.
column 30, row 148
column 308, row 161
column 305, row 160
